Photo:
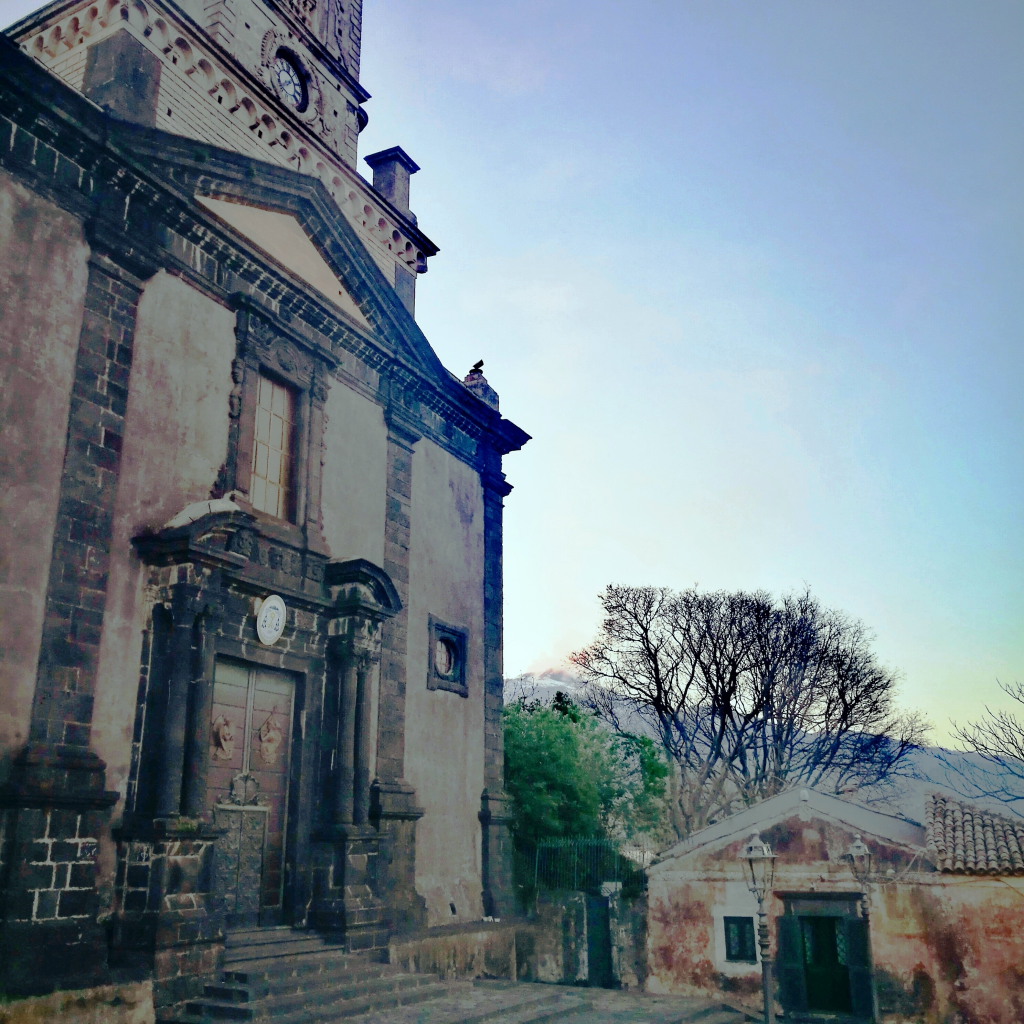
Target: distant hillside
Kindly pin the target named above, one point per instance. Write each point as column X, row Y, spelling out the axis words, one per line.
column 939, row 770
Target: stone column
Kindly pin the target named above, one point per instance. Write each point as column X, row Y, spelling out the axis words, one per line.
column 345, row 745
column 184, row 611
column 347, row 848
column 197, row 760
column 55, row 809
column 366, row 670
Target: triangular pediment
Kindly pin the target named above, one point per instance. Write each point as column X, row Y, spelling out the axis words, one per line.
column 282, row 237
column 796, row 805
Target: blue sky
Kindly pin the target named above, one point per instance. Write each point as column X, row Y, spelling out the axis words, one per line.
column 750, row 275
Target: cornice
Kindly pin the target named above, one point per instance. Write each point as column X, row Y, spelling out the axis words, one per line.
column 135, row 186
column 146, row 25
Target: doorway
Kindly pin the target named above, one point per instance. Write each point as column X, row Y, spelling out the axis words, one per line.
column 248, row 786
column 824, row 962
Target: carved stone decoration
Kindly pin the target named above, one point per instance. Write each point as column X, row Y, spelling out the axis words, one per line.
column 273, row 44
column 245, row 790
column 243, row 542
column 235, row 398
column 223, row 737
column 270, row 736
column 238, row 864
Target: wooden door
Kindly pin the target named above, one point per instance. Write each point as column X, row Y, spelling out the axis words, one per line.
column 825, row 964
column 248, row 782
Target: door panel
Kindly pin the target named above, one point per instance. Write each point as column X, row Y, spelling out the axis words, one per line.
column 825, row 960
column 250, row 756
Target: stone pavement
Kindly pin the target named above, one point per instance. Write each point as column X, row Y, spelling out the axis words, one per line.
column 524, row 1003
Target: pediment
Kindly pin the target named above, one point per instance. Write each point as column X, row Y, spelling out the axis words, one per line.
column 280, row 235
column 796, row 806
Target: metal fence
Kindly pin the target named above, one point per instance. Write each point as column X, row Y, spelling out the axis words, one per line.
column 590, row 865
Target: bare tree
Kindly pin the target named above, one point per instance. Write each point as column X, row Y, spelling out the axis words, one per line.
column 747, row 695
column 996, row 741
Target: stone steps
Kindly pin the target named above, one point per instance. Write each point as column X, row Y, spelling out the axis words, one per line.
column 289, row 977
column 286, row 977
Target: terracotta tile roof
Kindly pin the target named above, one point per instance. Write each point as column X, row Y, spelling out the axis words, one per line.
column 967, row 840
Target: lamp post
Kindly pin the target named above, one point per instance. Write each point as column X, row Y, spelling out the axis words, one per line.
column 759, row 868
column 861, row 863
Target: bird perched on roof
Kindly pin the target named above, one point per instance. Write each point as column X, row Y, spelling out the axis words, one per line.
column 478, row 367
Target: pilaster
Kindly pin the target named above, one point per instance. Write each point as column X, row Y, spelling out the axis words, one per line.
column 55, row 806
column 347, row 857
column 496, row 853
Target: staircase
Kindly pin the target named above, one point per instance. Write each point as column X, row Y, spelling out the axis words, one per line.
column 291, row 977
column 281, row 976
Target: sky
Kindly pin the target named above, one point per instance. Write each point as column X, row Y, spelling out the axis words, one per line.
column 750, row 274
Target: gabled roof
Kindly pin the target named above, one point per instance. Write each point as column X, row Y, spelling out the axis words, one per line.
column 898, row 831
column 969, row 840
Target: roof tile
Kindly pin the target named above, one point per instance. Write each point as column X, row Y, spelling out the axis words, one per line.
column 969, row 840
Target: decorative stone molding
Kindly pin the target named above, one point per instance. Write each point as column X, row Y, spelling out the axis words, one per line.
column 388, row 233
column 313, row 112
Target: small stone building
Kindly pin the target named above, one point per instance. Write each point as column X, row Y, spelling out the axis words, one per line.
column 251, row 552
column 935, row 937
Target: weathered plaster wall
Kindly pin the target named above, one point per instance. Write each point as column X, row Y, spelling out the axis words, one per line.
column 946, row 949
column 474, row 951
column 175, row 441
column 444, row 731
column 355, row 476
column 43, row 271
column 951, row 948
column 554, row 949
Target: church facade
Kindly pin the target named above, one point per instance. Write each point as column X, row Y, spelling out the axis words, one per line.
column 251, row 554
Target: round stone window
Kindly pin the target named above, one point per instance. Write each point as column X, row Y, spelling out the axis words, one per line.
column 446, row 657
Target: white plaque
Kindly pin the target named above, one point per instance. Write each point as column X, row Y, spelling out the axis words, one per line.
column 270, row 619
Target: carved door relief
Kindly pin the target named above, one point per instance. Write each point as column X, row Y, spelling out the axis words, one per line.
column 249, row 759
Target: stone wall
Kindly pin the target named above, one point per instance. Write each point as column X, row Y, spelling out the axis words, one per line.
column 461, row 951
column 42, row 285
column 105, row 1004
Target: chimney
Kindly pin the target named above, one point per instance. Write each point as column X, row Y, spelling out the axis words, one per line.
column 391, row 171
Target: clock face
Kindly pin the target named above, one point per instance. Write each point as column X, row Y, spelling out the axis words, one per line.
column 270, row 620
column 290, row 81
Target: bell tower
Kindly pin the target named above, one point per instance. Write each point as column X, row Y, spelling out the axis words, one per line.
column 305, row 52
column 276, row 80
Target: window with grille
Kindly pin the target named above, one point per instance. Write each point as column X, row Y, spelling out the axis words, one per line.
column 271, row 487
column 739, row 940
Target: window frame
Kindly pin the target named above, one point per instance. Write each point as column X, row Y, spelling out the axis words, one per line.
column 287, row 482
column 750, row 935
column 266, row 350
column 454, row 680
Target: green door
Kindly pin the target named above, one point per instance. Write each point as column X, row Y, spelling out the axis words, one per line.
column 599, row 943
column 825, row 964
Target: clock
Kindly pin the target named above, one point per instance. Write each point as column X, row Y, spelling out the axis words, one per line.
column 290, row 80
column 270, row 619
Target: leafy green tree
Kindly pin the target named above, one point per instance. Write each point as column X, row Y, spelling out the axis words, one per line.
column 570, row 776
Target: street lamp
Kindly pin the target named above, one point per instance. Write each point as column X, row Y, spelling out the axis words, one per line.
column 759, row 868
column 861, row 864
column 859, row 856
